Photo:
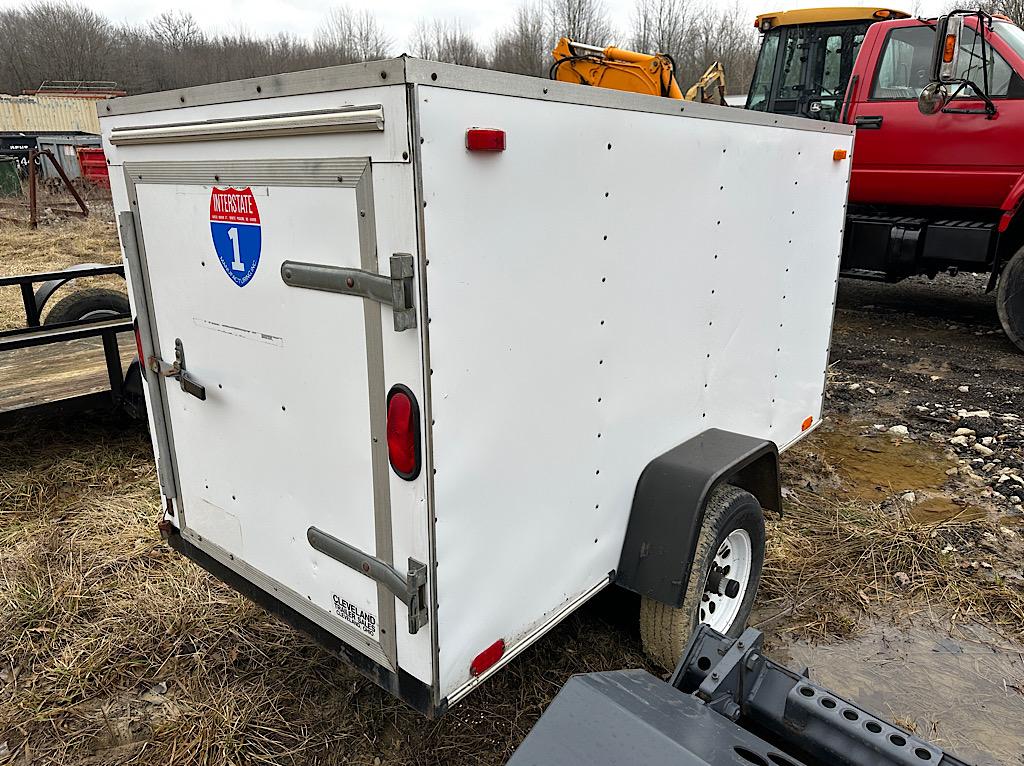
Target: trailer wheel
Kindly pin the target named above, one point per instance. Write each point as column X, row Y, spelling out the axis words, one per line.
column 91, row 303
column 1010, row 299
column 727, row 560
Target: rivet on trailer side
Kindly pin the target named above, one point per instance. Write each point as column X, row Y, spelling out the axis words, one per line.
column 424, row 405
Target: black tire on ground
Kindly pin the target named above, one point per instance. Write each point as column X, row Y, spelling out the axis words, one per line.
column 1010, row 299
column 93, row 302
column 665, row 630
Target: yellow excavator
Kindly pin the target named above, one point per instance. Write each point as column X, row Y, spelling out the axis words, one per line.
column 826, row 37
column 619, row 69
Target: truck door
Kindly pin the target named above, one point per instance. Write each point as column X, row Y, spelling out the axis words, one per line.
column 902, row 157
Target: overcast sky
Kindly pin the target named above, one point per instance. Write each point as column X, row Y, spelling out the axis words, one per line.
column 398, row 17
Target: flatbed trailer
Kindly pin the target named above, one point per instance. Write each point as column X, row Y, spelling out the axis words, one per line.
column 84, row 360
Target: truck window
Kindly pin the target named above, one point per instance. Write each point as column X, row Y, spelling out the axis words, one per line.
column 969, row 65
column 1012, row 35
column 906, row 62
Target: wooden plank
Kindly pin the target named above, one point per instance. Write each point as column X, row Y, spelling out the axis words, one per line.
column 43, row 374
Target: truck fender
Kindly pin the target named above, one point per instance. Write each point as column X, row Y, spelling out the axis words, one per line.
column 1010, row 207
column 669, row 501
column 48, row 288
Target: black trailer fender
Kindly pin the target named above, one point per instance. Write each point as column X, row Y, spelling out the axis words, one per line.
column 668, row 506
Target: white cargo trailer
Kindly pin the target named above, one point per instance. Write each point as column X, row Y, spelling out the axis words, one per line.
column 435, row 354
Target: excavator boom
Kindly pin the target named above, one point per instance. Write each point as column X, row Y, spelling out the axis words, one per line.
column 614, row 68
column 619, row 69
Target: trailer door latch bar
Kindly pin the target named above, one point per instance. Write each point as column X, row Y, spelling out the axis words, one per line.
column 178, row 372
column 411, row 589
column 395, row 291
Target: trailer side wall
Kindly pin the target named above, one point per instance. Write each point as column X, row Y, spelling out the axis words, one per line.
column 607, row 287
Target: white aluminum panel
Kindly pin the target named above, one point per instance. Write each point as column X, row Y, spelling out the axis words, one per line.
column 612, row 284
column 282, row 441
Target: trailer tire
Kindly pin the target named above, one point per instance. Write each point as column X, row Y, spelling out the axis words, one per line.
column 665, row 629
column 1010, row 299
column 90, row 303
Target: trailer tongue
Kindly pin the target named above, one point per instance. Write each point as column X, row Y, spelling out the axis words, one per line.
column 726, row 703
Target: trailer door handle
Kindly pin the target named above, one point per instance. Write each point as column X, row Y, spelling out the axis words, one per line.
column 410, row 588
column 395, row 290
column 178, row 372
column 866, row 122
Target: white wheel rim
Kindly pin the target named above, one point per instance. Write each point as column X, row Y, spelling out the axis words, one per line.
column 734, row 556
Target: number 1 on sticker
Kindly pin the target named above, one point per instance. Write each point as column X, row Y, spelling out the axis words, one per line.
column 236, row 264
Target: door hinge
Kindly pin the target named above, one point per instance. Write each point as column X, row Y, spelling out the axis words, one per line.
column 395, row 290
column 411, row 589
column 178, row 372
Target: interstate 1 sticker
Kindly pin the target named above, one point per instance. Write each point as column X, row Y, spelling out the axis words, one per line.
column 235, row 227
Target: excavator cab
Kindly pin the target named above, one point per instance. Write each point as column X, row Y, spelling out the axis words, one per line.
column 807, row 57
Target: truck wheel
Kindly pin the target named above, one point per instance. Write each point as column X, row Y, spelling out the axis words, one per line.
column 91, row 303
column 723, row 579
column 1010, row 299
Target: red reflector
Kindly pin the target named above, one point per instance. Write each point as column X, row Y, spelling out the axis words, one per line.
column 403, row 430
column 138, row 346
column 487, row 657
column 485, row 140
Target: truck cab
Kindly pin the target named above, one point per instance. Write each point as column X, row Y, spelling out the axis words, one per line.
column 957, row 157
column 929, row 192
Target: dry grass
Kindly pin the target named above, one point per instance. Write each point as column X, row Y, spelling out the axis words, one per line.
column 830, row 561
column 57, row 243
column 96, row 613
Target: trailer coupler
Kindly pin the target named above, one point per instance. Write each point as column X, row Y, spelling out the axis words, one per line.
column 726, row 703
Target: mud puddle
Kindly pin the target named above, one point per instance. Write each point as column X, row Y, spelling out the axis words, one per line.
column 878, row 466
column 961, row 688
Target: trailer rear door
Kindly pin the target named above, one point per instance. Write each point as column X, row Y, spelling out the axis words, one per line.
column 279, row 426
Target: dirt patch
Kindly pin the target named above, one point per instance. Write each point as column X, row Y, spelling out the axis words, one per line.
column 960, row 687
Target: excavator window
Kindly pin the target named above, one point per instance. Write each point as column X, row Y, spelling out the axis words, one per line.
column 804, row 69
column 760, row 92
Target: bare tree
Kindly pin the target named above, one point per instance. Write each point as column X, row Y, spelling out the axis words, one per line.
column 176, row 30
column 524, row 45
column 52, row 41
column 661, row 26
column 585, row 21
column 1012, row 9
column 723, row 33
column 448, row 41
column 352, row 36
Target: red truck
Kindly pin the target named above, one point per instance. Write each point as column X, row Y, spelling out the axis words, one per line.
column 930, row 192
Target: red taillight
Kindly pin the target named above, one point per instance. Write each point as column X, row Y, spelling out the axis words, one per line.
column 485, row 140
column 487, row 657
column 403, row 432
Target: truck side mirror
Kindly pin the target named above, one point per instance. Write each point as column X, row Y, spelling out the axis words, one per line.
column 933, row 98
column 945, row 51
column 946, row 48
